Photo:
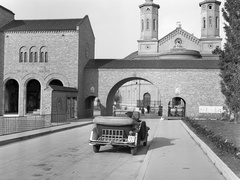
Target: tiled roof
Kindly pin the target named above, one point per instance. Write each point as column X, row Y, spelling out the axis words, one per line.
column 151, row 64
column 6, row 9
column 210, row 1
column 42, row 25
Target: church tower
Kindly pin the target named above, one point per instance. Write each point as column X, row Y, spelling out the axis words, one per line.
column 210, row 22
column 148, row 42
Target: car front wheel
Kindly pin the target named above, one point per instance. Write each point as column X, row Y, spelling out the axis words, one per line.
column 96, row 148
column 134, row 150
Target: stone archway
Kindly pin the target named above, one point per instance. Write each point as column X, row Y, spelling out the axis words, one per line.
column 108, row 110
column 177, row 107
column 11, row 97
column 92, row 106
column 33, row 96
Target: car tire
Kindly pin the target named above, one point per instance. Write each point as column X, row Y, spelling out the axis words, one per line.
column 145, row 142
column 134, row 150
column 96, row 148
column 143, row 130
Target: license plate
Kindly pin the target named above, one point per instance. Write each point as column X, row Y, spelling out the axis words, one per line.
column 131, row 139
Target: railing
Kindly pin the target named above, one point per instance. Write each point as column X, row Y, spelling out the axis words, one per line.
column 10, row 125
column 140, row 103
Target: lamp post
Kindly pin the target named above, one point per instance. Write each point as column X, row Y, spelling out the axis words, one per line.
column 139, row 104
column 139, row 95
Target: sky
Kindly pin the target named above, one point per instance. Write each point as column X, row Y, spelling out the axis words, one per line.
column 115, row 23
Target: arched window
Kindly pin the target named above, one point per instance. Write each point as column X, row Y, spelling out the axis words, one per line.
column 216, row 22
column 36, row 57
column 147, row 24
column 46, row 56
column 33, row 54
column 210, row 21
column 56, row 82
column 154, row 24
column 43, row 54
column 142, row 25
column 204, row 22
column 23, row 54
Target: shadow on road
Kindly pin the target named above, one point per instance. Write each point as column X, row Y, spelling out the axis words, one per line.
column 159, row 142
column 142, row 150
column 156, row 143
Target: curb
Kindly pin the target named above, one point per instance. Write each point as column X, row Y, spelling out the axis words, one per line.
column 44, row 132
column 221, row 166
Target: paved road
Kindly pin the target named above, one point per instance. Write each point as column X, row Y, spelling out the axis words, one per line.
column 174, row 155
column 67, row 155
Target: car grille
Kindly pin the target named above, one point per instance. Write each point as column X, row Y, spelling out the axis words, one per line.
column 112, row 135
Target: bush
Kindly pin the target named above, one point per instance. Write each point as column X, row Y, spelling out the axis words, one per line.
column 224, row 144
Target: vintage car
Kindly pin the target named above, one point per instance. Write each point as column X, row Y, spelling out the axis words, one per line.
column 128, row 131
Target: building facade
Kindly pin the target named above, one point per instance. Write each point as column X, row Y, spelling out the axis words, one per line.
column 180, row 65
column 49, row 66
column 39, row 55
column 139, row 93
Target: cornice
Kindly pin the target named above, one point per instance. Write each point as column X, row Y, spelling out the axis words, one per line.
column 39, row 32
column 176, row 32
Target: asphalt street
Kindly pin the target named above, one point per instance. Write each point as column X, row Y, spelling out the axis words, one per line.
column 67, row 155
column 171, row 154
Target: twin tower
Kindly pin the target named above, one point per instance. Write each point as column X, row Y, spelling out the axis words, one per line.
column 210, row 20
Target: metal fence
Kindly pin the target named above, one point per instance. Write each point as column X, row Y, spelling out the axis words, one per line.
column 9, row 125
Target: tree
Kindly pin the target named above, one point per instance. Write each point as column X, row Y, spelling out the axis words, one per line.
column 118, row 97
column 230, row 57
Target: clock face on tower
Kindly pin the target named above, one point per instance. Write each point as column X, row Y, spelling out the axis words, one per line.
column 87, row 49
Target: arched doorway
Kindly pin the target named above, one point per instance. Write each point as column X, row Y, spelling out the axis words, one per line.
column 146, row 100
column 33, row 96
column 11, row 95
column 176, row 107
column 92, row 105
column 56, row 82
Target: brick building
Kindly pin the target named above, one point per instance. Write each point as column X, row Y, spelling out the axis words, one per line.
column 180, row 65
column 44, row 64
column 49, row 65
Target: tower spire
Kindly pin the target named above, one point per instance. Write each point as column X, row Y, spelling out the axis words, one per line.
column 149, row 20
column 149, row 27
column 210, row 30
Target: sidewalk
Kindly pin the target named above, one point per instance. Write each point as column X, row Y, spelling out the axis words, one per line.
column 6, row 139
column 177, row 153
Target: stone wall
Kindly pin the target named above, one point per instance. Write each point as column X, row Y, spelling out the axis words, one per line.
column 86, row 52
column 198, row 87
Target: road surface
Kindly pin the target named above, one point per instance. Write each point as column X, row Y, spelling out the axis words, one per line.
column 67, row 155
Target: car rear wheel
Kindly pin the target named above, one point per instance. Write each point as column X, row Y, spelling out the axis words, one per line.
column 96, row 148
column 134, row 150
column 145, row 142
